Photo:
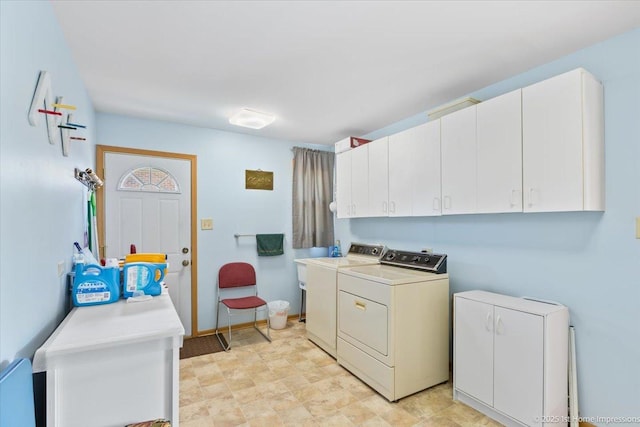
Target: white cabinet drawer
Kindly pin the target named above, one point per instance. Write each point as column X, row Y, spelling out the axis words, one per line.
column 364, row 320
column 373, row 372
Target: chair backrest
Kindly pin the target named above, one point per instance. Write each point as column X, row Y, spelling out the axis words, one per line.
column 236, row 274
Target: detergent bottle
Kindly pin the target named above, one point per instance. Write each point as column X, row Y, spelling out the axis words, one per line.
column 143, row 278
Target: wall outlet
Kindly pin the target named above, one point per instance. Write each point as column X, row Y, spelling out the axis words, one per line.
column 206, row 224
column 638, row 227
column 60, row 268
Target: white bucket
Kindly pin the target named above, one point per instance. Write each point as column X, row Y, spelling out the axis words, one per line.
column 278, row 313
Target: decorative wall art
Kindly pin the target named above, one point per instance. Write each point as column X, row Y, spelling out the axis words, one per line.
column 258, row 180
column 55, row 114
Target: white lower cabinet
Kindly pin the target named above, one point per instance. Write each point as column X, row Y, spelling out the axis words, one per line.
column 510, row 358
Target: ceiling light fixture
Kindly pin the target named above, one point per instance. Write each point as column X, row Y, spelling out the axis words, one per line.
column 251, row 119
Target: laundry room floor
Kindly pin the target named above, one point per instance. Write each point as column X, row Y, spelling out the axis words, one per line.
column 292, row 382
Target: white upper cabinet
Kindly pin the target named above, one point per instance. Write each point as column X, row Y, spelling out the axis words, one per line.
column 499, row 154
column 343, row 184
column 379, row 177
column 400, row 172
column 360, row 181
column 352, row 188
column 536, row 149
column 563, row 144
column 414, row 171
column 459, row 167
column 426, row 184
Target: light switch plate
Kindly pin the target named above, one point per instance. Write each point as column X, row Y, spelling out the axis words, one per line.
column 638, row 227
column 206, row 224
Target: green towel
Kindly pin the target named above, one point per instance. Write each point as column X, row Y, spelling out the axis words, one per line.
column 270, row 244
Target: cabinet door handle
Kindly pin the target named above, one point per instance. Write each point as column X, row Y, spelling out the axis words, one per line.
column 499, row 325
column 360, row 306
column 353, row 209
column 532, row 192
column 392, row 207
column 447, row 202
column 436, row 204
column 488, row 322
column 384, row 207
column 514, row 198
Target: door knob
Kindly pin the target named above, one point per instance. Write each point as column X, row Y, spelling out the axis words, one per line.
column 185, row 250
column 185, row 262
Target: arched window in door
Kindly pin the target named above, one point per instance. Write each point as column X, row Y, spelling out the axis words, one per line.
column 149, row 179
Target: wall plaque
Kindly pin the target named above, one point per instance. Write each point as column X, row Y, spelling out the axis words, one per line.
column 258, row 180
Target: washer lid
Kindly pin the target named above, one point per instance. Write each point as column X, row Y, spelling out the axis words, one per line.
column 343, row 262
column 390, row 275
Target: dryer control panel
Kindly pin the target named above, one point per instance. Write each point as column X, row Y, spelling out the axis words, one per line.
column 434, row 263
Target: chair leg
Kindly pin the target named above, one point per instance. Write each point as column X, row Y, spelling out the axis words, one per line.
column 218, row 334
column 267, row 336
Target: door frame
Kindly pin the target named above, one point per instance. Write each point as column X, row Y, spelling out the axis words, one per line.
column 101, row 150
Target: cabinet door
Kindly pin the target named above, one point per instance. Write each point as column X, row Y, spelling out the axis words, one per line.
column 400, row 173
column 552, row 144
column 343, row 184
column 379, row 177
column 473, row 349
column 518, row 365
column 499, row 159
column 425, row 163
column 458, row 141
column 360, row 181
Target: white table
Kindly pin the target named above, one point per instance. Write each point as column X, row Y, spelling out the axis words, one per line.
column 114, row 364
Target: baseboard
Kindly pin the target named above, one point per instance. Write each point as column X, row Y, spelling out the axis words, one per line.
column 240, row 326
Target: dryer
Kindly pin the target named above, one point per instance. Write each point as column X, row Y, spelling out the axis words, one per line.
column 393, row 322
column 321, row 291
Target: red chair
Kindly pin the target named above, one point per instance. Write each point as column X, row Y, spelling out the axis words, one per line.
column 231, row 277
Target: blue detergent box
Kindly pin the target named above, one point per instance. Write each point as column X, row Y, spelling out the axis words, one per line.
column 95, row 285
column 143, row 278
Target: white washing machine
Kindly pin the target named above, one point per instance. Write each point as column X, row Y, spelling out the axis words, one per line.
column 321, row 277
column 393, row 322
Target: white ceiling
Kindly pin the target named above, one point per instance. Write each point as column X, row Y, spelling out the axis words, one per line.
column 326, row 69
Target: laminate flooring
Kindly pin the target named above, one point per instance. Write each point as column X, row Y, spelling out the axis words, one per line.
column 292, row 382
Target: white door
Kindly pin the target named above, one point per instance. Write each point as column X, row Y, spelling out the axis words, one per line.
column 499, row 143
column 458, row 138
column 426, row 170
column 379, row 177
column 473, row 349
column 359, row 181
column 343, row 184
column 148, row 204
column 552, row 137
column 518, row 369
column 400, row 173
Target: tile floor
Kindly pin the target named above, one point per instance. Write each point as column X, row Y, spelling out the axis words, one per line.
column 291, row 382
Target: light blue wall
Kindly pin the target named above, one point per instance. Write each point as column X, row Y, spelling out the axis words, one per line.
column 223, row 158
column 41, row 204
column 587, row 261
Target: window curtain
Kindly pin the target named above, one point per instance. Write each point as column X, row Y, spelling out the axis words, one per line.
column 312, row 193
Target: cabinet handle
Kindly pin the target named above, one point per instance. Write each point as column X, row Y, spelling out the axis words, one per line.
column 436, row 204
column 353, row 209
column 384, row 207
column 488, row 322
column 392, row 207
column 447, row 202
column 361, row 306
column 514, row 198
column 499, row 325
column 531, row 193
